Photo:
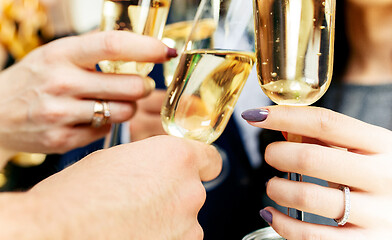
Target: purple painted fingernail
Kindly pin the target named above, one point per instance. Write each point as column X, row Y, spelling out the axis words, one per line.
column 255, row 115
column 266, row 215
column 171, row 53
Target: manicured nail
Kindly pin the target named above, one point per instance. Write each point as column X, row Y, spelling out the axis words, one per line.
column 171, row 53
column 266, row 215
column 255, row 115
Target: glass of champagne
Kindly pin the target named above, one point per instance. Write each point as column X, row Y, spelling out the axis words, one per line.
column 145, row 17
column 212, row 71
column 294, row 48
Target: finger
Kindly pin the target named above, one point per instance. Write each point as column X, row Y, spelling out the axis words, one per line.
column 68, row 138
column 89, row 49
column 86, row 84
column 208, row 161
column 293, row 229
column 69, row 111
column 199, row 158
column 144, row 125
column 153, row 103
column 82, row 111
column 328, row 126
column 319, row 200
column 329, row 164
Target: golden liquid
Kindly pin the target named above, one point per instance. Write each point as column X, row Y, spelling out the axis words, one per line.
column 294, row 45
column 145, row 17
column 200, row 101
column 175, row 36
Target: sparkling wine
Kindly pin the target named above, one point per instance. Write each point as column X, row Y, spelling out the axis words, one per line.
column 205, row 90
column 297, row 37
column 175, row 36
column 145, row 17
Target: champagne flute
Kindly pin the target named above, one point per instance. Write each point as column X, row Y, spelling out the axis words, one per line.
column 294, row 48
column 145, row 17
column 212, row 71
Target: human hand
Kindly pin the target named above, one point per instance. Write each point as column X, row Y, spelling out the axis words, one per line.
column 147, row 120
column 150, row 189
column 340, row 150
column 48, row 98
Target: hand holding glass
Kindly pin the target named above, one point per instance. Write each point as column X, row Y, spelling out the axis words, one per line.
column 294, row 48
column 145, row 17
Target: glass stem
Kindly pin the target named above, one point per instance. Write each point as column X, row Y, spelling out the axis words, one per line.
column 113, row 138
column 294, row 213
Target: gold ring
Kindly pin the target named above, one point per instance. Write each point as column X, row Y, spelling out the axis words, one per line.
column 101, row 114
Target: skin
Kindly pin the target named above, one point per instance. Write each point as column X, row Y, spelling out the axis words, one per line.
column 147, row 120
column 126, row 192
column 337, row 148
column 340, row 150
column 55, row 88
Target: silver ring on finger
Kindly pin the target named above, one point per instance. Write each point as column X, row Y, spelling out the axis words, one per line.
column 347, row 206
column 101, row 114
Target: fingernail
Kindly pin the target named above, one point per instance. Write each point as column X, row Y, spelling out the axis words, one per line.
column 171, row 52
column 255, row 115
column 149, row 84
column 266, row 215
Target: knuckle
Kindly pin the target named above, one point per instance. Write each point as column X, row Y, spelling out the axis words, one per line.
column 50, row 113
column 60, row 86
column 137, row 88
column 327, row 119
column 126, row 112
column 200, row 193
column 195, row 196
column 305, row 197
column 170, row 144
column 108, row 46
column 198, row 232
column 51, row 53
column 306, row 159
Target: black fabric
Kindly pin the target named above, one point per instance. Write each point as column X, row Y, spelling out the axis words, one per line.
column 232, row 209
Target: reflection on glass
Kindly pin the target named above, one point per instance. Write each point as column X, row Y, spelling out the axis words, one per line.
column 175, row 36
column 202, row 98
column 295, row 49
column 212, row 70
